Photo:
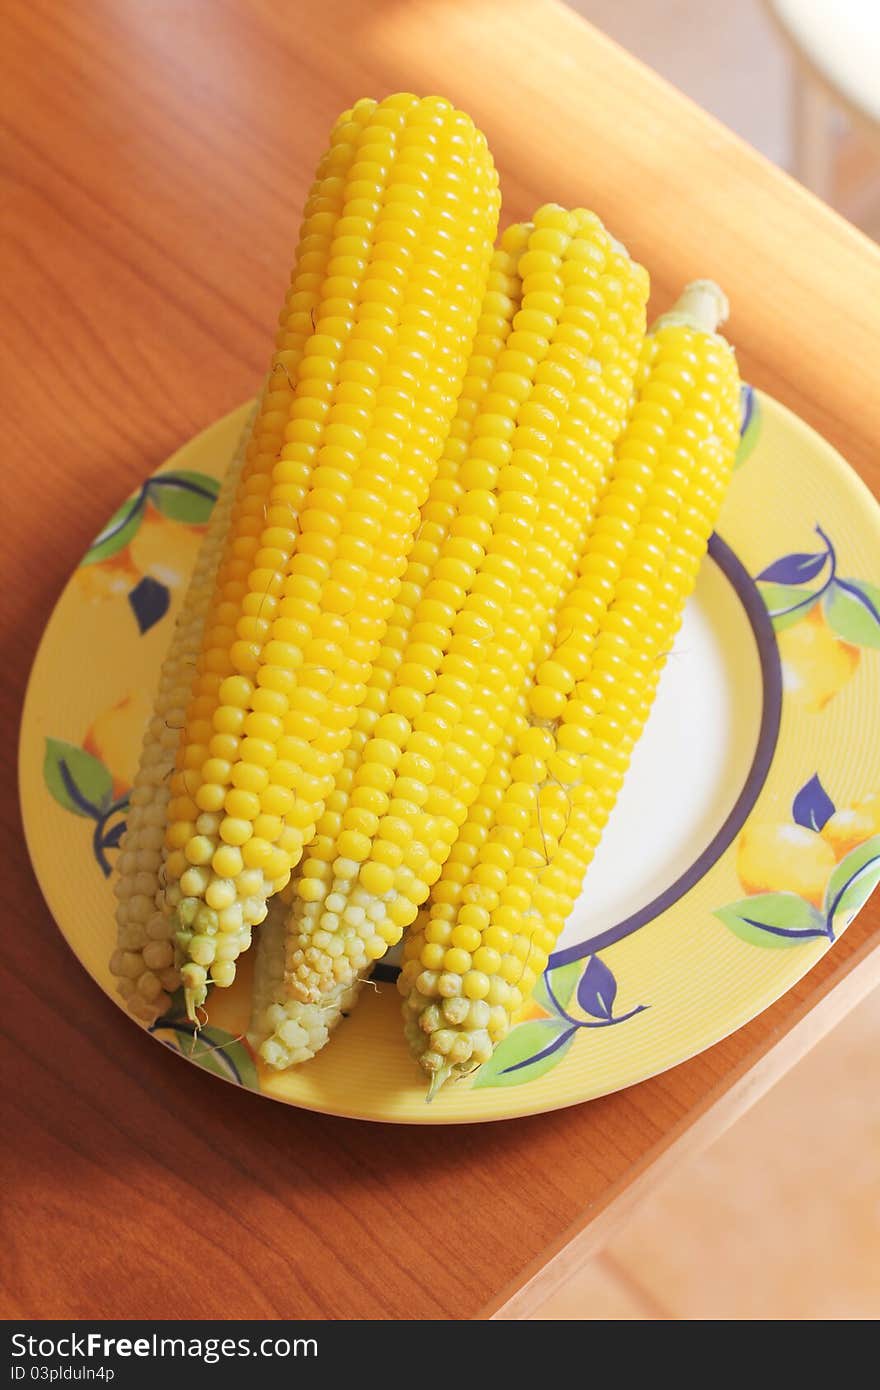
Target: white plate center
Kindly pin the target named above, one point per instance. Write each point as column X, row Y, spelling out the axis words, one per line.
column 689, row 766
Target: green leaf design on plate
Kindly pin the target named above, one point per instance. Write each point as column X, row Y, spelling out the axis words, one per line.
column 219, row 1052
column 852, row 611
column 773, row 920
column 184, row 495
column 852, row 883
column 786, row 603
column 78, row 781
column 224, row 1055
column 563, row 981
column 119, row 530
column 529, row 1051
column 178, row 1039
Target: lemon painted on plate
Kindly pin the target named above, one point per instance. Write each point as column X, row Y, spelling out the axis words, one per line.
column 815, row 663
column 852, row 825
column 109, row 579
column 784, row 858
column 164, row 549
column 115, row 736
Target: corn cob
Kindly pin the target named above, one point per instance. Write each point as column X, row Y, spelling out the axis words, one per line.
column 303, row 1026
column 143, row 961
column 313, row 560
column 540, row 442
column 479, row 950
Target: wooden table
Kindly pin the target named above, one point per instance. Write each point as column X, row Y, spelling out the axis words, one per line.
column 153, row 159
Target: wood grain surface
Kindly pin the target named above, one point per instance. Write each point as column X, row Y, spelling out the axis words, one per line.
column 153, row 158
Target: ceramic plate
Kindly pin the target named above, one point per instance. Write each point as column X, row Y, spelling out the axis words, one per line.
column 746, row 839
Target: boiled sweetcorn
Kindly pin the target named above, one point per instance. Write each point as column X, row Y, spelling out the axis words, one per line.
column 487, row 936
column 318, row 547
column 325, row 955
column 430, row 614
column 540, row 444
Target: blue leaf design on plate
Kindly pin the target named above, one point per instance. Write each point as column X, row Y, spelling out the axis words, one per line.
column 812, row 806
column 794, row 569
column 597, row 989
column 149, row 602
column 749, row 423
column 113, row 836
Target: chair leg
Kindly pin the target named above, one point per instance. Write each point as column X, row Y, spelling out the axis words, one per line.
column 812, row 135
